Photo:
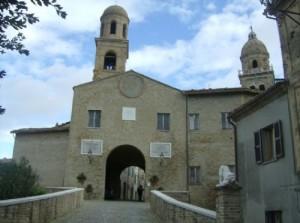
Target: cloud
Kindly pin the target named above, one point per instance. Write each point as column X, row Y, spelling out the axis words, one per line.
column 212, row 55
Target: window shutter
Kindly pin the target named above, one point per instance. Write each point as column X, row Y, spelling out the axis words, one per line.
column 223, row 120
column 167, row 122
column 278, row 139
column 257, row 147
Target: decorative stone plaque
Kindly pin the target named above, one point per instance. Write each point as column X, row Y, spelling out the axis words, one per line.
column 91, row 147
column 128, row 114
column 160, row 150
column 131, row 86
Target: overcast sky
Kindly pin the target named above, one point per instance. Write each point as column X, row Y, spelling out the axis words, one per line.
column 188, row 44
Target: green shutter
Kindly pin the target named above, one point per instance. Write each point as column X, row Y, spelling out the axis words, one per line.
column 258, row 147
column 278, row 139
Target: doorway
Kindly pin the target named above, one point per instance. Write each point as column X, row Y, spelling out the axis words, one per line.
column 118, row 160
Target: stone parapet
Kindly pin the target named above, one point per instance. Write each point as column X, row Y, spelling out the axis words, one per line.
column 228, row 204
column 183, row 196
column 169, row 210
column 40, row 209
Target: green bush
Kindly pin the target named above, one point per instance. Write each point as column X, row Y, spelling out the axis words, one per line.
column 18, row 180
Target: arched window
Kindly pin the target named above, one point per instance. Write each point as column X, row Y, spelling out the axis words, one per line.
column 110, row 61
column 124, row 30
column 262, row 87
column 252, row 87
column 102, row 30
column 254, row 64
column 113, row 27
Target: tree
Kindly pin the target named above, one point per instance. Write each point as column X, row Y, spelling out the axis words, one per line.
column 18, row 180
column 15, row 14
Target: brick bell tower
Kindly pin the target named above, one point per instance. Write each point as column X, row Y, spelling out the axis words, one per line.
column 112, row 45
column 256, row 70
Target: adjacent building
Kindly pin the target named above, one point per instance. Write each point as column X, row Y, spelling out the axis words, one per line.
column 267, row 133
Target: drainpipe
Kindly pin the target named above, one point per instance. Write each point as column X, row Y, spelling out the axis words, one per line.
column 187, row 144
column 233, row 123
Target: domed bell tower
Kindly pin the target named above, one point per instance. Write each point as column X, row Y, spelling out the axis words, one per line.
column 112, row 45
column 256, row 70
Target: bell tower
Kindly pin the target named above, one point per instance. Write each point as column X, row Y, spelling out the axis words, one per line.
column 112, row 45
column 256, row 70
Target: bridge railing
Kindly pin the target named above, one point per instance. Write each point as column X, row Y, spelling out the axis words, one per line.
column 170, row 210
column 41, row 209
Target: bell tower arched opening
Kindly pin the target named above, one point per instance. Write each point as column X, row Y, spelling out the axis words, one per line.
column 254, row 64
column 119, row 159
column 113, row 27
column 110, row 61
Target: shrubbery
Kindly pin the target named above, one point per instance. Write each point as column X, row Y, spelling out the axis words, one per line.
column 18, row 180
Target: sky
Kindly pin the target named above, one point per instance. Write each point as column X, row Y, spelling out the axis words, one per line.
column 188, row 44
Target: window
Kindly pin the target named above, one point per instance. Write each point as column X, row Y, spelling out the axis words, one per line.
column 269, row 143
column 194, row 175
column 91, row 147
column 225, row 122
column 113, row 27
column 262, row 87
column 252, row 87
column 254, row 64
column 194, row 121
column 163, row 121
column 110, row 61
column 102, row 30
column 124, row 30
column 94, row 118
column 273, row 217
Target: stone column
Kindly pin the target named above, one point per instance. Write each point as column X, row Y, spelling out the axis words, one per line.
column 228, row 206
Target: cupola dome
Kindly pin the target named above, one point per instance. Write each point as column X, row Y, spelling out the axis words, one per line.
column 253, row 46
column 115, row 10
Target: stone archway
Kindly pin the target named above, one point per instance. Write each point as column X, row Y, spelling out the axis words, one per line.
column 119, row 159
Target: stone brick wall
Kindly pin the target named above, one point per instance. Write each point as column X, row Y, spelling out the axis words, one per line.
column 46, row 153
column 210, row 146
column 169, row 210
column 40, row 209
column 228, row 205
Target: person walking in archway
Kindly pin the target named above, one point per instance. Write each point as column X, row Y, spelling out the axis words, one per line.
column 140, row 191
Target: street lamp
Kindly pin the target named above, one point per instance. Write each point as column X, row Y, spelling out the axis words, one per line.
column 273, row 11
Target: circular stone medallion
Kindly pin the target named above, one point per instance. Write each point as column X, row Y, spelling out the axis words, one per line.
column 131, row 85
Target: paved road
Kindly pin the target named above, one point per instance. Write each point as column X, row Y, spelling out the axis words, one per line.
column 110, row 212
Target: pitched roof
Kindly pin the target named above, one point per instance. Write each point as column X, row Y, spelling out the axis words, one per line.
column 64, row 127
column 127, row 73
column 221, row 91
column 259, row 101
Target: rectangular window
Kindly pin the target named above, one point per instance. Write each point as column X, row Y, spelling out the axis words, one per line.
column 163, row 121
column 268, row 143
column 94, row 118
column 194, row 175
column 225, row 122
column 194, row 121
column 91, row 147
column 273, row 217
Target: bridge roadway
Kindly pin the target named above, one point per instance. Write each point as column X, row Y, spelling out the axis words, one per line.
column 110, row 212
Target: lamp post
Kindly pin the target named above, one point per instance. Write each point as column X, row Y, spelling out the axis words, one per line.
column 90, row 156
column 274, row 10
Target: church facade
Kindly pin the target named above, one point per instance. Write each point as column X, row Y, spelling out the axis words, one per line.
column 124, row 118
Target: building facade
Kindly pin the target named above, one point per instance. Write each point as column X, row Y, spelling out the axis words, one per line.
column 267, row 127
column 124, row 118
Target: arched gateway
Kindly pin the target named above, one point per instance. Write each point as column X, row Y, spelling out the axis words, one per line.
column 119, row 159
